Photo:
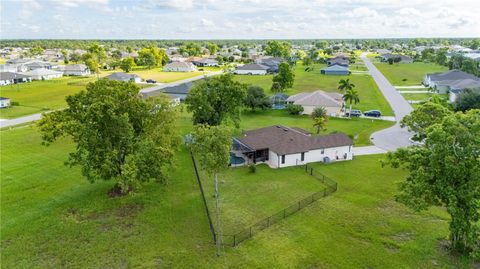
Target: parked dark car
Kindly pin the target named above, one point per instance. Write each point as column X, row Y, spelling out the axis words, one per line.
column 355, row 113
column 373, row 113
column 151, row 81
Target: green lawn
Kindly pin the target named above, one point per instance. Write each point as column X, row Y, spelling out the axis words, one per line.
column 359, row 129
column 413, row 72
column 370, row 95
column 242, row 192
column 416, row 96
column 39, row 96
column 53, row 218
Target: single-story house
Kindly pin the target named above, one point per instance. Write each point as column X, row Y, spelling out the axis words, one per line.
column 457, row 86
column 339, row 60
column 4, row 102
column 38, row 65
column 335, row 69
column 205, row 62
column 280, row 146
column 403, row 59
column 442, row 82
column 43, row 74
column 121, row 76
column 331, row 101
column 13, row 68
column 180, row 90
column 179, row 67
column 251, row 69
column 7, row 78
column 75, row 70
column 271, row 62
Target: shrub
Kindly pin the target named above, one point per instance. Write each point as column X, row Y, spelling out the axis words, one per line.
column 294, row 109
column 14, row 103
column 404, row 79
column 252, row 168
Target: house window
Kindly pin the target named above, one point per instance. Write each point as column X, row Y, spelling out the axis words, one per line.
column 323, row 151
column 283, row 159
column 302, row 157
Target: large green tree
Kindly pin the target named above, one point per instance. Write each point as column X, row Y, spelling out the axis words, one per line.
column 127, row 64
column 445, row 171
column 423, row 117
column 278, row 49
column 215, row 100
column 117, row 134
column 152, row 57
column 285, row 76
column 467, row 99
column 212, row 48
column 190, row 49
column 256, row 98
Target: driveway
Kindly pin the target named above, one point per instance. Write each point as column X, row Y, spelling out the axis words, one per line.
column 20, row 120
column 394, row 137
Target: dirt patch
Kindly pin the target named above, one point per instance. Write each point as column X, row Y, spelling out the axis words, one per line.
column 402, row 237
column 391, row 247
column 116, row 191
column 129, row 210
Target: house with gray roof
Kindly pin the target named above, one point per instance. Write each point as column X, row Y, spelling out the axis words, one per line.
column 251, row 69
column 335, row 69
column 281, row 146
column 443, row 82
column 331, row 101
column 401, row 58
column 43, row 74
column 339, row 60
column 7, row 78
column 75, row 70
column 179, row 67
column 121, row 76
column 205, row 62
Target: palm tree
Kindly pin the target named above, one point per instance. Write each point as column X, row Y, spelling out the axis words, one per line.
column 320, row 118
column 351, row 96
column 345, row 85
column 320, row 123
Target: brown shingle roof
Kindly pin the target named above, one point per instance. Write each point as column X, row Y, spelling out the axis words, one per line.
column 285, row 140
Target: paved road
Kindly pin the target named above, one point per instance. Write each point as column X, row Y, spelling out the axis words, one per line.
column 394, row 137
column 146, row 91
column 16, row 121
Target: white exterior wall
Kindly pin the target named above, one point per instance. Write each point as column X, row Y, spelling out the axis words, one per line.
column 5, row 103
column 77, row 73
column 331, row 111
column 178, row 69
column 250, row 72
column 137, row 80
column 47, row 77
column 6, row 82
column 310, row 156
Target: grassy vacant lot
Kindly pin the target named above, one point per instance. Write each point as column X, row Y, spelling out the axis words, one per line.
column 38, row 96
column 249, row 197
column 416, row 96
column 53, row 218
column 370, row 95
column 413, row 73
column 359, row 129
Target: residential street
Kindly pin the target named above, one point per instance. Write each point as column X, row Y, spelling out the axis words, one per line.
column 394, row 137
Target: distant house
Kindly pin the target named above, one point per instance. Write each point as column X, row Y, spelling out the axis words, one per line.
column 271, row 62
column 339, row 60
column 4, row 102
column 38, row 65
column 180, row 90
column 251, row 69
column 451, row 80
column 205, row 62
column 383, row 51
column 402, row 58
column 280, row 146
column 13, row 68
column 76, row 70
column 335, row 69
column 179, row 67
column 43, row 74
column 331, row 101
column 121, row 76
column 7, row 78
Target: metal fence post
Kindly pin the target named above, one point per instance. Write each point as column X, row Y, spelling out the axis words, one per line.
column 234, row 241
column 250, row 231
column 311, row 171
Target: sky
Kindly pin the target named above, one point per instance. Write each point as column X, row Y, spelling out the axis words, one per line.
column 237, row 19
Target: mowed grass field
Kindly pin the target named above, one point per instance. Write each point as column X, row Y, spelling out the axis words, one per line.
column 246, row 197
column 370, row 95
column 53, row 218
column 164, row 77
column 38, row 96
column 408, row 74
